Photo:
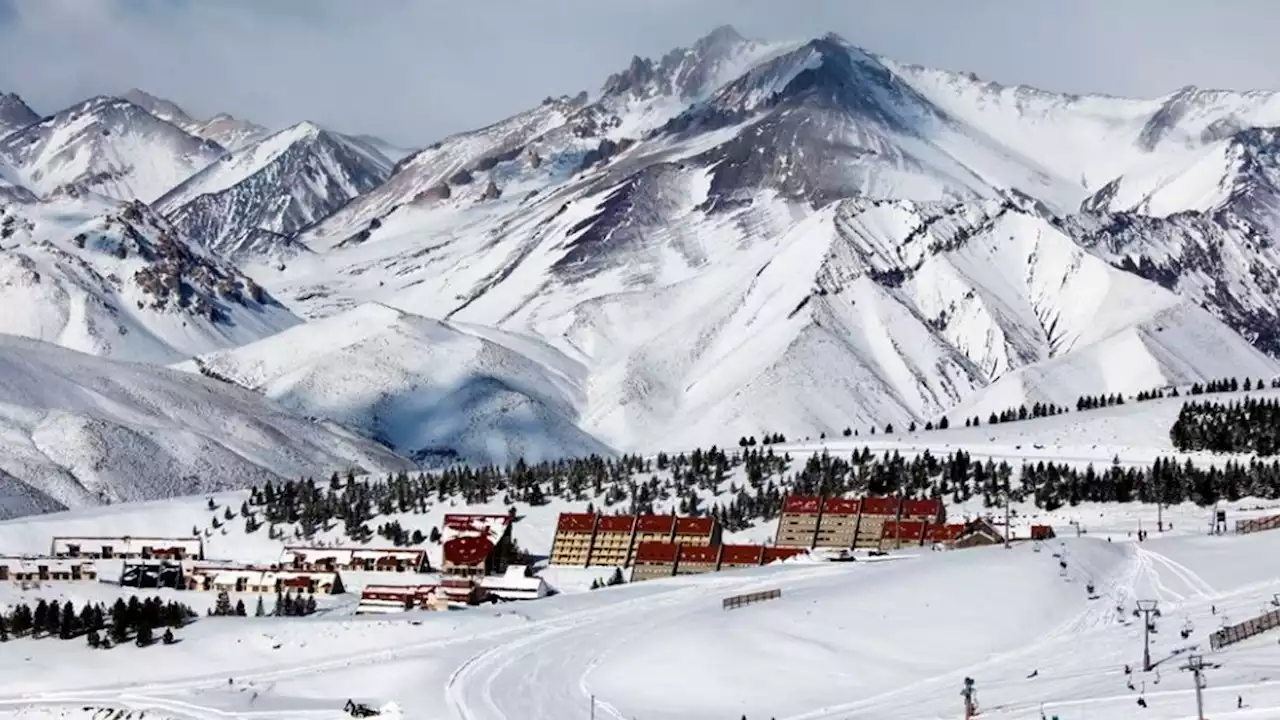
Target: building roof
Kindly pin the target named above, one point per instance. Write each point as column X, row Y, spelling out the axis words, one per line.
column 944, row 533
column 880, row 506
column 576, row 522
column 514, row 580
column 840, row 506
column 32, row 563
column 260, row 576
column 772, row 553
column 924, row 507
column 616, row 523
column 464, row 523
column 904, row 530
column 656, row 552
column 126, row 543
column 741, row 554
column 655, row 524
column 701, row 554
column 467, row 549
column 695, row 525
column 345, row 555
column 804, row 504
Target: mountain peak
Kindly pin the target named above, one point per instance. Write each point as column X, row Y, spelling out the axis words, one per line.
column 719, row 37
column 15, row 113
column 166, row 110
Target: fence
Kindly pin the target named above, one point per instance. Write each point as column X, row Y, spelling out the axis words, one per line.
column 1247, row 629
column 1244, row 527
column 737, row 601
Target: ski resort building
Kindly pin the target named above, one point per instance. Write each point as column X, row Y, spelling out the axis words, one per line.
column 260, row 580
column 978, row 533
column 129, row 548
column 45, row 569
column 152, row 574
column 572, row 544
column 462, row 590
column 695, row 559
column 614, row 540
column 356, row 559
column 741, row 556
column 381, row 599
column 654, row 559
column 842, row 523
column 515, row 584
column 476, row 545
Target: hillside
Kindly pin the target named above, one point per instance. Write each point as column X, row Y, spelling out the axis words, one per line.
column 80, row 430
column 117, row 280
column 430, row 390
column 107, row 146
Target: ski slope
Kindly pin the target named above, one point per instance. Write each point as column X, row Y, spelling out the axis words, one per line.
column 884, row 640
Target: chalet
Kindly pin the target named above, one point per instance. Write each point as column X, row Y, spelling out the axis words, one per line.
column 1042, row 532
column 45, row 569
column 260, row 580
column 575, row 533
column 740, row 556
column 838, row 525
column 978, row 533
column 613, row 540
column 152, row 574
column 654, row 559
column 699, row 531
column 380, row 599
column 462, row 590
column 695, row 559
column 476, row 544
column 515, row 584
column 778, row 554
column 903, row 533
column 129, row 548
column 355, row 559
column 798, row 523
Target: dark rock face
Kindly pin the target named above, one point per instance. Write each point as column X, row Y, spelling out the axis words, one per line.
column 15, row 114
column 462, row 177
column 491, row 192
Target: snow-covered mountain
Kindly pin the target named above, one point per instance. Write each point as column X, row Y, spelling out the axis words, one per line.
column 15, row 114
column 431, row 390
column 225, row 130
column 118, row 280
column 107, row 146
column 79, row 430
column 251, row 202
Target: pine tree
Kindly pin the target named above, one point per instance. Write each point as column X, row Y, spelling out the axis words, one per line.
column 145, row 637
column 119, row 621
column 168, row 636
column 69, row 624
column 94, row 639
column 240, row 611
column 311, row 605
column 222, row 606
column 4, row 629
column 41, row 618
column 260, row 609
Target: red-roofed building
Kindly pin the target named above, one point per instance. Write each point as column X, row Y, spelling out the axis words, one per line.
column 903, row 532
column 798, row 523
column 740, row 556
column 839, row 522
column 1042, row 532
column 944, row 534
column 575, row 533
column 876, row 511
column 697, row 531
column 774, row 554
column 655, row 528
column 928, row 510
column 476, row 544
column 654, row 559
column 978, row 533
column 695, row 559
column 614, row 539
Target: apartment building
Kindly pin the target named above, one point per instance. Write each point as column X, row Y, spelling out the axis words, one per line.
column 614, row 540
column 585, row 539
column 574, row 534
column 835, row 522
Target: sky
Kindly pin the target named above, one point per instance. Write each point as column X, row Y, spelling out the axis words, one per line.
column 413, row 71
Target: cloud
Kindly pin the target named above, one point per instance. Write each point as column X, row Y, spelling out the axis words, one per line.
column 414, row 70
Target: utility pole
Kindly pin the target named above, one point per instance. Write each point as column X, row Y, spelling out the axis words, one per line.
column 1007, row 529
column 970, row 695
column 1147, row 608
column 593, row 707
column 1195, row 663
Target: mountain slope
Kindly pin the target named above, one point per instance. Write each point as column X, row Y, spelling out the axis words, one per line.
column 252, row 201
column 77, row 430
column 117, row 280
column 15, row 114
column 227, row 131
column 429, row 389
column 107, row 146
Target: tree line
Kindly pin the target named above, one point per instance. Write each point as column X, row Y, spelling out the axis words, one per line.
column 1249, row 425
column 136, row 620
column 286, row 605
